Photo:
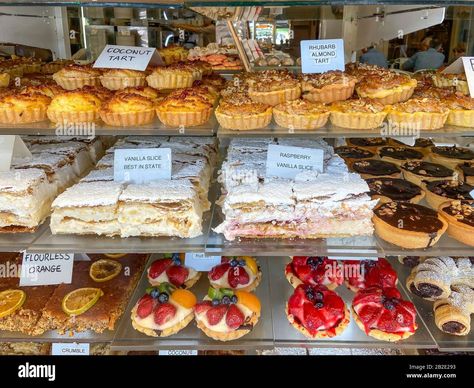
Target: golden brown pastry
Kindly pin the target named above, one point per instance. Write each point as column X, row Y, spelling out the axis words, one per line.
column 358, row 114
column 17, row 108
column 77, row 76
column 127, row 110
column 418, row 114
column 327, row 87
column 117, row 79
column 301, row 114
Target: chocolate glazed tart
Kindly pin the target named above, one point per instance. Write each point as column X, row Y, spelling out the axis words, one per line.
column 408, row 225
column 466, row 172
column 438, row 192
column 372, row 168
column 421, row 172
column 368, row 143
column 391, row 189
column 460, row 218
column 351, row 154
column 451, row 156
column 399, row 155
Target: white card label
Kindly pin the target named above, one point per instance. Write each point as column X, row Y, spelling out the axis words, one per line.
column 70, row 349
column 287, row 162
column 471, row 193
column 408, row 140
column 42, row 269
column 468, row 63
column 178, row 352
column 127, row 57
column 201, row 262
column 11, row 146
column 342, row 258
column 319, row 56
column 142, row 165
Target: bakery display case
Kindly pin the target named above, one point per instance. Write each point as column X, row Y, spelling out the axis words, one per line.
column 218, row 245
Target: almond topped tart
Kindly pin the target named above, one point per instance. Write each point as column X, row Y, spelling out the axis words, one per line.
column 359, row 113
column 399, row 155
column 238, row 273
column 451, row 156
column 408, row 225
column 126, row 110
column 459, row 214
column 163, row 311
column 301, row 114
column 216, row 81
column 171, row 77
column 227, row 315
column 273, row 87
column 438, row 192
column 386, row 87
column 362, row 70
column 461, row 110
column 18, row 108
column 458, row 81
column 75, row 76
column 382, row 314
column 352, row 154
column 184, row 107
column 418, row 113
column 392, row 189
column 368, row 143
column 314, row 270
column 116, row 79
column 360, row 274
column 171, row 269
column 327, row 87
column 317, row 312
column 239, row 112
column 421, row 172
column 373, row 168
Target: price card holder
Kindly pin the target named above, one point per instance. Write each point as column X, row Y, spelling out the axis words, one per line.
column 463, row 65
column 319, row 56
column 11, row 146
column 128, row 57
column 178, row 353
column 201, row 262
column 70, row 349
column 286, row 162
column 42, row 269
column 408, row 140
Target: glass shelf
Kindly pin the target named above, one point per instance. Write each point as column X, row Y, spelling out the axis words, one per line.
column 54, row 336
column 99, row 3
column 16, row 242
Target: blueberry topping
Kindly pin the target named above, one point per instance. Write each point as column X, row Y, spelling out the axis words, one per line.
column 318, row 295
column 176, row 259
column 319, row 305
column 310, row 295
column 234, row 299
column 163, row 298
column 216, row 302
column 314, row 261
column 389, row 304
column 234, row 263
column 154, row 293
column 225, row 300
column 242, row 263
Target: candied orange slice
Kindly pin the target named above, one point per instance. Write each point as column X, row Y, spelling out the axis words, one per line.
column 249, row 300
column 77, row 302
column 251, row 263
column 184, row 298
column 10, row 301
column 104, row 270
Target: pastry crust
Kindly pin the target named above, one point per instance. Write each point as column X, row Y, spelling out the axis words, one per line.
column 164, row 333
column 126, row 110
column 117, row 79
column 169, row 78
column 328, row 87
column 23, row 108
column 357, row 120
column 230, row 336
column 446, row 313
column 384, row 199
column 73, row 77
column 390, row 95
column 461, row 118
column 299, row 114
column 456, row 229
column 295, row 281
column 418, row 120
column 451, row 163
column 275, row 97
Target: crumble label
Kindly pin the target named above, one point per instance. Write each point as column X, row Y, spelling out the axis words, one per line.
column 70, row 349
column 142, row 165
column 42, row 269
column 200, row 262
column 287, row 162
column 128, row 57
column 319, row 56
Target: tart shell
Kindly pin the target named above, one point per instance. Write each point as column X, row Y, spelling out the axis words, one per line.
column 418, row 120
column 457, row 230
column 75, row 83
column 170, row 80
column 73, row 117
column 12, row 116
column 276, row 97
column 233, row 335
column 306, row 121
column 331, row 93
column 164, row 333
column 461, row 118
column 451, row 163
column 357, row 120
column 402, row 94
column 418, row 179
column 118, row 83
column 185, row 119
column 127, row 119
column 244, row 122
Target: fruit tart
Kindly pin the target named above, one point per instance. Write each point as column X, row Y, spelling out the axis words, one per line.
column 16, row 108
column 382, row 314
column 392, row 189
column 226, row 315
column 171, row 269
column 163, row 311
column 460, row 218
column 461, row 110
column 75, row 76
column 116, row 79
column 360, row 274
column 238, row 273
column 451, row 156
column 359, row 113
column 301, row 114
column 421, row 172
column 317, row 312
column 438, row 192
column 314, row 270
column 418, row 114
column 327, row 87
column 273, row 87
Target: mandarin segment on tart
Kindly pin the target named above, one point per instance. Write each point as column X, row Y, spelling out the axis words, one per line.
column 238, row 273
column 317, row 312
column 360, row 274
column 418, row 172
column 438, row 192
column 163, row 311
column 418, row 114
column 382, row 314
column 392, row 189
column 116, row 79
column 77, row 76
column 301, row 114
column 79, row 106
column 372, row 168
column 459, row 215
column 172, row 270
column 273, row 87
column 314, row 270
column 17, row 108
column 125, row 110
column 359, row 113
column 408, row 225
column 327, row 87
column 399, row 155
column 226, row 315
column 451, row 156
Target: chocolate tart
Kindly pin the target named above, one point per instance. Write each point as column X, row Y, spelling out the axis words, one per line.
column 420, row 172
column 421, row 145
column 451, row 156
column 392, row 189
column 408, row 225
column 460, row 218
column 438, row 192
column 399, row 155
column 466, row 172
column 351, row 154
column 368, row 143
column 372, row 168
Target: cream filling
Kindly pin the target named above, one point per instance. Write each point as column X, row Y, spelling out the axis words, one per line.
column 224, row 283
column 149, row 321
column 163, row 278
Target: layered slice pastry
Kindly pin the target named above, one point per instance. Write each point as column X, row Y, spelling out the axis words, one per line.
column 163, row 311
column 327, row 87
column 383, row 314
column 173, row 271
column 360, row 274
column 359, row 113
column 314, row 270
column 459, row 214
column 317, row 312
column 438, row 192
column 237, row 273
column 421, row 172
column 226, row 315
column 392, row 189
column 452, row 156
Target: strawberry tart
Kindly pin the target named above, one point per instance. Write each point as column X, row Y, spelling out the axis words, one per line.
column 163, row 311
column 238, row 273
column 314, row 270
column 171, row 269
column 226, row 315
column 360, row 274
column 317, row 312
column 383, row 314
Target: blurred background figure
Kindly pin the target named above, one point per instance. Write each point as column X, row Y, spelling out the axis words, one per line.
column 431, row 58
column 459, row 51
column 372, row 56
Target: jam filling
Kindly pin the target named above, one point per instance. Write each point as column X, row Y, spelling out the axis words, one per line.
column 426, row 290
column 375, row 167
column 453, row 327
column 396, row 189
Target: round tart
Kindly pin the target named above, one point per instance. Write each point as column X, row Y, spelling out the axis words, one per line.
column 314, row 270
column 216, row 81
column 386, row 87
column 351, row 154
column 438, row 192
column 273, row 87
column 372, row 168
column 126, row 110
column 144, row 91
column 17, row 108
column 78, row 106
column 362, row 70
column 466, row 172
column 172, row 270
column 421, row 145
column 408, row 225
column 327, row 87
column 163, row 311
column 317, row 312
column 358, row 114
column 419, row 172
column 238, row 273
column 458, row 81
column 382, row 314
column 461, row 110
column 368, row 143
column 391, row 189
column 451, row 157
column 460, row 218
column 227, row 315
column 55, row 66
column 116, row 79
column 184, row 107
column 4, row 79
column 49, row 90
column 173, row 54
column 418, row 114
column 77, row 76
column 360, row 274
column 301, row 114
column 171, row 77
column 399, row 155
column 240, row 113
